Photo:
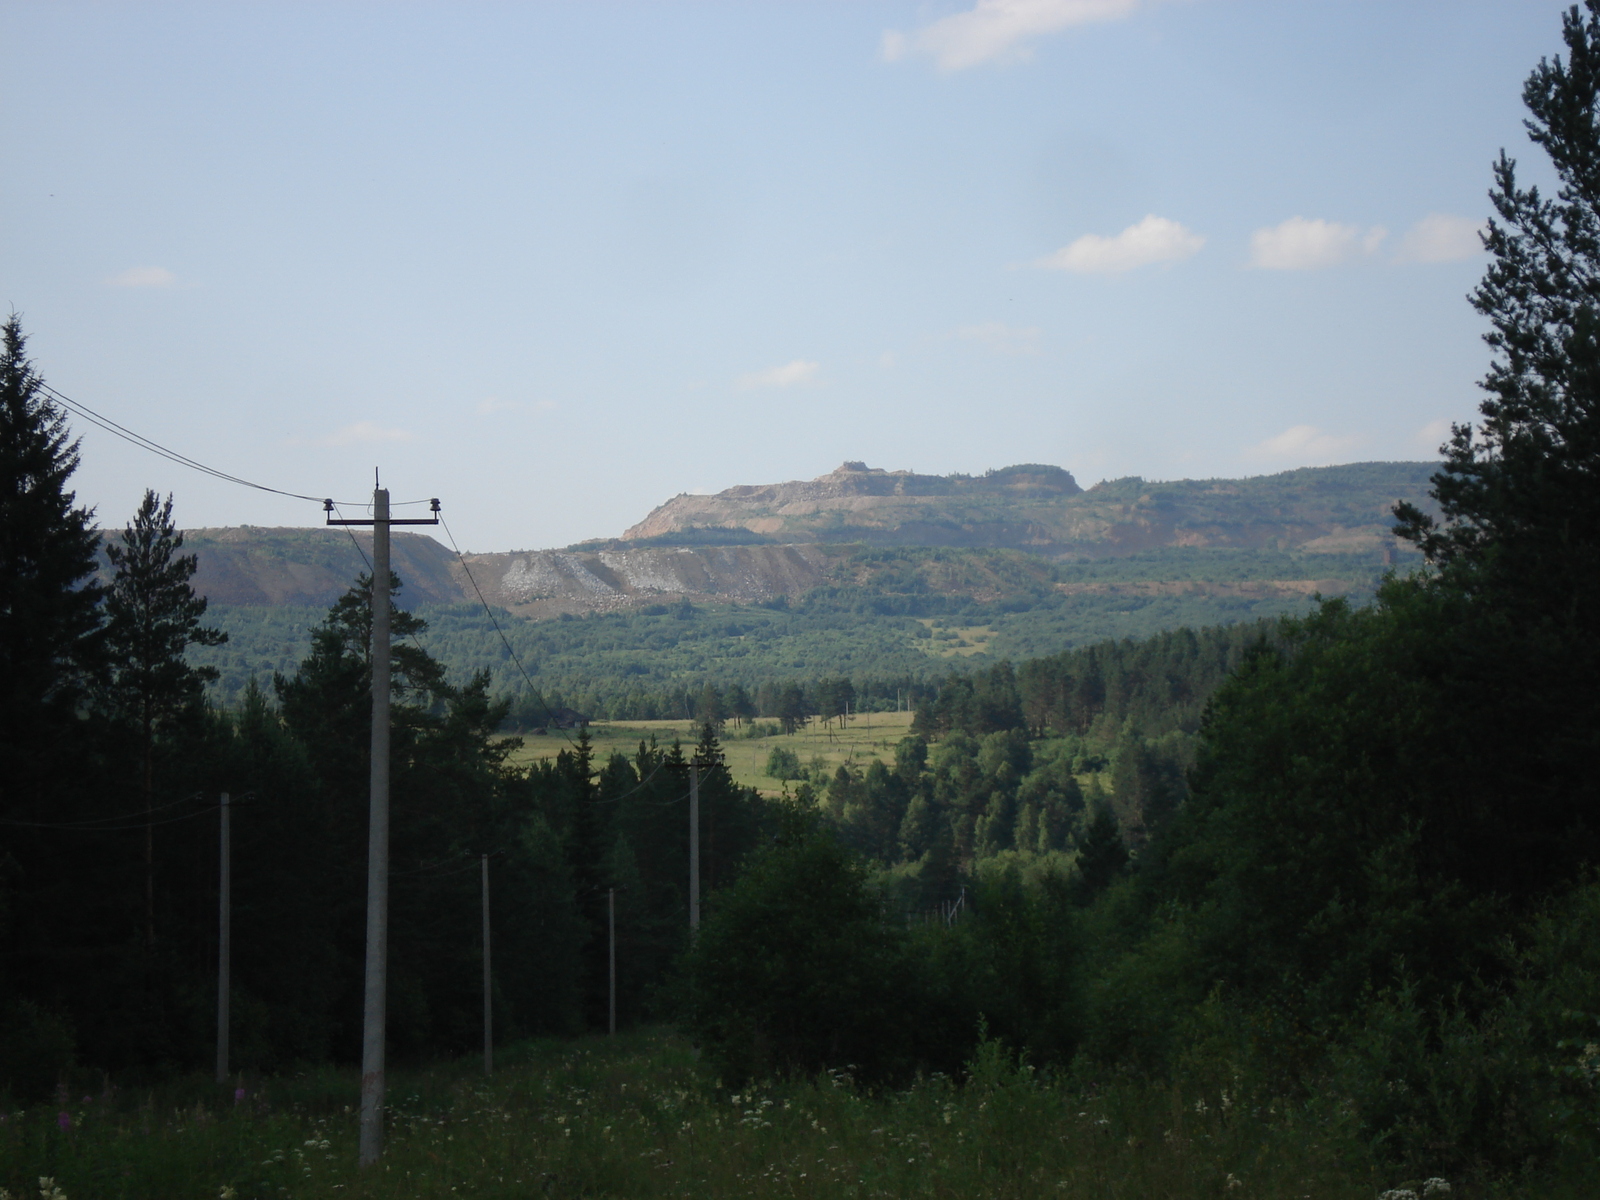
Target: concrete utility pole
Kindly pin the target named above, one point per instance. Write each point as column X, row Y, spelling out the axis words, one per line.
column 488, row 981
column 694, row 844
column 224, row 940
column 611, row 934
column 374, row 1012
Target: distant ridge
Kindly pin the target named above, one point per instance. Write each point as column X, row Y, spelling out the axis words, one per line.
column 1042, row 509
column 755, row 543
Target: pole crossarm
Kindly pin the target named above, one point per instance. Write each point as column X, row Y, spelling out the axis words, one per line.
column 330, row 519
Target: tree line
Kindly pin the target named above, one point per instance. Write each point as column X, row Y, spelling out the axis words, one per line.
column 1375, row 898
column 109, row 818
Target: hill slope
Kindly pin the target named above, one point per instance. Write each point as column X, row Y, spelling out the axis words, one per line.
column 997, row 534
column 1042, row 509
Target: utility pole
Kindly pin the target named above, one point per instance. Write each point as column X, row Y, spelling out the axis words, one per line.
column 374, row 1011
column 694, row 843
column 488, row 986
column 611, row 932
column 224, row 940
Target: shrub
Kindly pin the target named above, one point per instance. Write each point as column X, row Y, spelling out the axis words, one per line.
column 795, row 970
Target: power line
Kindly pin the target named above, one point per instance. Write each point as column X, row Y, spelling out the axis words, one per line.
column 156, row 448
column 416, row 640
column 493, row 620
column 111, row 825
column 511, row 650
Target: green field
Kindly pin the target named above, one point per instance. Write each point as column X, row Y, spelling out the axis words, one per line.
column 865, row 737
column 636, row 1116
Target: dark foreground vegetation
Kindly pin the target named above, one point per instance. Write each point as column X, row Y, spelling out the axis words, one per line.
column 636, row 1116
column 1303, row 909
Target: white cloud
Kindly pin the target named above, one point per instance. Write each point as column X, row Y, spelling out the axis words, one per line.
column 1304, row 444
column 1440, row 237
column 787, row 375
column 996, row 30
column 1152, row 240
column 493, row 404
column 1002, row 338
column 1433, row 434
column 144, row 277
column 363, row 432
column 1304, row 245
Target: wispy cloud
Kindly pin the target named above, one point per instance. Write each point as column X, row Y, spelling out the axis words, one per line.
column 1299, row 244
column 998, row 30
column 1002, row 338
column 1440, row 237
column 787, row 375
column 1152, row 240
column 143, row 277
column 361, row 433
column 1304, row 444
column 1433, row 434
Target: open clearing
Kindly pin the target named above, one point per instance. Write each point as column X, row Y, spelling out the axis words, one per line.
column 865, row 737
column 637, row 1116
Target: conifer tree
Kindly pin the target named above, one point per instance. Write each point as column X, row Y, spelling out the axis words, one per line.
column 49, row 600
column 153, row 617
column 1520, row 490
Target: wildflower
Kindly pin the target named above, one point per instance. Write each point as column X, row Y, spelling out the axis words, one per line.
column 1435, row 1187
column 1234, row 1181
column 225, row 1193
column 64, row 1119
column 48, row 1189
column 238, row 1095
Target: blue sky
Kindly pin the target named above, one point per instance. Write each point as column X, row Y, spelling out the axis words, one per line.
column 555, row 263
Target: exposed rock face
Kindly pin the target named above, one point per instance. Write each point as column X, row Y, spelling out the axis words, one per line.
column 1042, row 509
column 758, row 542
column 853, row 498
column 255, row 566
column 548, row 582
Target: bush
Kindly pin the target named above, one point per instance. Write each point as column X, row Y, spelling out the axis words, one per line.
column 783, row 763
column 36, row 1049
column 794, row 969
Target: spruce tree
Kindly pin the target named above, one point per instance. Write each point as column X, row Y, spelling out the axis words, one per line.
column 49, row 601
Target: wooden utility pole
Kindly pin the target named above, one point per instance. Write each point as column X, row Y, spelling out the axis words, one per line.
column 224, row 940
column 611, row 937
column 374, row 1011
column 488, row 978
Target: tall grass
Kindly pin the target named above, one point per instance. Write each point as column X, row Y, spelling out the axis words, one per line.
column 636, row 1116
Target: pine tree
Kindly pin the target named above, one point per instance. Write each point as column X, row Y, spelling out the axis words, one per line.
column 1519, row 546
column 153, row 617
column 1520, row 490
column 49, row 600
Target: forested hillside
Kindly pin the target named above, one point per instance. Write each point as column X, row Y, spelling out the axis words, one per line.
column 887, row 619
column 1327, row 867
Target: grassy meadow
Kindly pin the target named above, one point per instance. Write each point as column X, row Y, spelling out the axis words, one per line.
column 636, row 1116
column 865, row 737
